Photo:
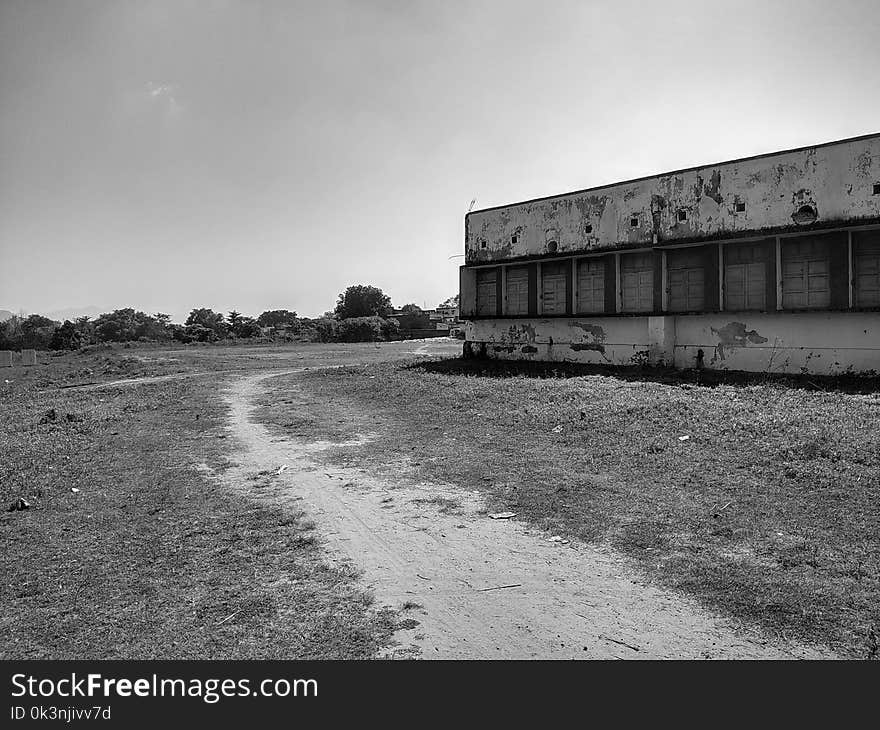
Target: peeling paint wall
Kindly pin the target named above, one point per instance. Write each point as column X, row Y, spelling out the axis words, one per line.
column 798, row 190
column 826, row 343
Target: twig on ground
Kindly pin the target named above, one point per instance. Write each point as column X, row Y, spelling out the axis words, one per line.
column 231, row 615
column 622, row 643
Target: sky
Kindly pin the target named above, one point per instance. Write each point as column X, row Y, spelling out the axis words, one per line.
column 172, row 154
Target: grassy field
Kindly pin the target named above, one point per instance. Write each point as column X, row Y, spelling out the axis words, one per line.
column 762, row 500
column 130, row 549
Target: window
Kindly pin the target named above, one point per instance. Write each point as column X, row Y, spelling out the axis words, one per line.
column 590, row 286
column 588, row 228
column 682, row 215
column 634, row 222
column 876, row 188
column 685, row 276
column 739, row 207
column 554, row 281
column 866, row 269
column 806, row 281
column 514, row 238
column 487, row 292
column 637, row 282
column 745, row 276
column 517, row 290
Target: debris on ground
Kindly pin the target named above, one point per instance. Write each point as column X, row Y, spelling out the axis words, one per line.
column 558, row 429
column 19, row 504
column 502, row 515
column 683, row 438
column 74, row 490
column 49, row 417
column 559, row 539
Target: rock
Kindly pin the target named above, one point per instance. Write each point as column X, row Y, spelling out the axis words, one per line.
column 19, row 504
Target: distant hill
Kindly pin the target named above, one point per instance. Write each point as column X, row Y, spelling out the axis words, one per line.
column 59, row 315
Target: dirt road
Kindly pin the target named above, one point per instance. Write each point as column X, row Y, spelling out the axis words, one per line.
column 476, row 587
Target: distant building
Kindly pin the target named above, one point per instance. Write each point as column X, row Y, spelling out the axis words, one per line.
column 769, row 263
column 444, row 318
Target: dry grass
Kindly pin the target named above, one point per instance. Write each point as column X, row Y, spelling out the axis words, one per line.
column 151, row 558
column 769, row 510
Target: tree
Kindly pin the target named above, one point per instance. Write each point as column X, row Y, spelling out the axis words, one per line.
column 209, row 319
column 246, row 327
column 277, row 318
column 10, row 333
column 126, row 325
column 362, row 301
column 412, row 317
column 233, row 319
column 86, row 329
column 66, row 337
column 199, row 333
column 36, row 331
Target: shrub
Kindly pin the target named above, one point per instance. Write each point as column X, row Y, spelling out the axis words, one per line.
column 325, row 330
column 360, row 329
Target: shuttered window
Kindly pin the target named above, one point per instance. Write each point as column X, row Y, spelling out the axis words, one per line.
column 866, row 269
column 806, row 274
column 554, row 282
column 637, row 282
column 745, row 277
column 590, row 286
column 686, row 280
column 487, row 292
column 517, row 290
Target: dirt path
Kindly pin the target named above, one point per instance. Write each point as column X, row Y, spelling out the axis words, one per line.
column 484, row 588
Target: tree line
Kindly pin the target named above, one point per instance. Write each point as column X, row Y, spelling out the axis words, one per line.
column 362, row 314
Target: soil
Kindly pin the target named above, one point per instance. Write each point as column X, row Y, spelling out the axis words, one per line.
column 472, row 587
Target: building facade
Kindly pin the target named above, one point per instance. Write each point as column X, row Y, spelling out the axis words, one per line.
column 769, row 263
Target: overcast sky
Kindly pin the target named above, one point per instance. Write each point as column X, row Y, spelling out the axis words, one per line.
column 169, row 154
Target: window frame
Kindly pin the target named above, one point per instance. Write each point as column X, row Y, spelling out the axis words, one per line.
column 649, row 271
column 806, row 276
column 858, row 258
column 485, row 271
column 601, row 263
column 761, row 263
column 696, row 265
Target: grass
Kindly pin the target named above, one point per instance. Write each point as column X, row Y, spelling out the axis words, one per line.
column 151, row 558
column 760, row 498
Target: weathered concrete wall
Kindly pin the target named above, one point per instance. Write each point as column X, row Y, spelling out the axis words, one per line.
column 826, row 343
column 836, row 181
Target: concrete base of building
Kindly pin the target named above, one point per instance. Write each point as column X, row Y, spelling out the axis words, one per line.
column 821, row 343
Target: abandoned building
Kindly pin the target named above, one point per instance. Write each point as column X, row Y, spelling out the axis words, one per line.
column 768, row 263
